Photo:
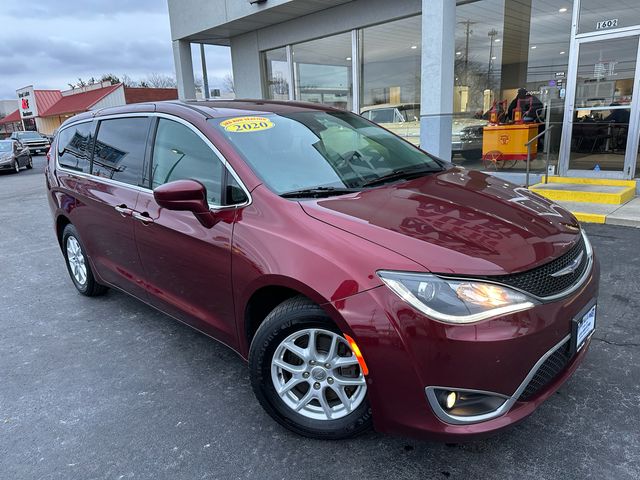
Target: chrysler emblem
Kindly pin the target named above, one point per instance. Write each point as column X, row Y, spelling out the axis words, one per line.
column 569, row 268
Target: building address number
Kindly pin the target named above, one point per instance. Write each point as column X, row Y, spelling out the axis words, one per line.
column 607, row 24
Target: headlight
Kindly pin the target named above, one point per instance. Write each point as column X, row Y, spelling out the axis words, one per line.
column 455, row 301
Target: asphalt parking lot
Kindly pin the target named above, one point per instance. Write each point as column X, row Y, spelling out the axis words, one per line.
column 108, row 388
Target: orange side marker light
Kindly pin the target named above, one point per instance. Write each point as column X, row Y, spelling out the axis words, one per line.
column 356, row 351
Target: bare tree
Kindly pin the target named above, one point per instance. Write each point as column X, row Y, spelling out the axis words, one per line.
column 227, row 83
column 127, row 81
column 159, row 80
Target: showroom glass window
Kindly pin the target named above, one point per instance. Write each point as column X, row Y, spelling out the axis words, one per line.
column 74, row 146
column 323, row 72
column 179, row 153
column 276, row 74
column 120, row 148
column 501, row 46
column 603, row 15
column 390, row 71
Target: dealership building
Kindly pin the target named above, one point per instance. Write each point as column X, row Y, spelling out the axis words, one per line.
column 432, row 70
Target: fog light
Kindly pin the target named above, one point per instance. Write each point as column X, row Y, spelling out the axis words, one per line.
column 462, row 403
column 451, row 400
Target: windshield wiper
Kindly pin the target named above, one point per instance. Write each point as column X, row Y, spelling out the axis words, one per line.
column 316, row 192
column 401, row 174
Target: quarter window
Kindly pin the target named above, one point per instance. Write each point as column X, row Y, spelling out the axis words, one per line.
column 179, row 154
column 74, row 147
column 120, row 148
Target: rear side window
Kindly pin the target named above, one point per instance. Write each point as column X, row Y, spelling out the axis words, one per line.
column 74, row 147
column 120, row 148
column 179, row 154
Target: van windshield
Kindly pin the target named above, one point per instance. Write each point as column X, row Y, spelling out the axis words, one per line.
column 322, row 150
column 5, row 146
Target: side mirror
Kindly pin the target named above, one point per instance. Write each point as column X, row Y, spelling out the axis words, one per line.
column 186, row 195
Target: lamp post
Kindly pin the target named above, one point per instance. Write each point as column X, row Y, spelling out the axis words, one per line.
column 492, row 35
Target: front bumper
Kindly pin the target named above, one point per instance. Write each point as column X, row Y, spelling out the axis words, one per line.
column 459, row 145
column 38, row 147
column 407, row 352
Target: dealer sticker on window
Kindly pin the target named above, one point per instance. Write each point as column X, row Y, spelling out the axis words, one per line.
column 246, row 124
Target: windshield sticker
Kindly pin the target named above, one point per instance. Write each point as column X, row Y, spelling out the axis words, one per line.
column 246, row 124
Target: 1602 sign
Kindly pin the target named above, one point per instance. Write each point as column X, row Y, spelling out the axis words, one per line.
column 607, row 24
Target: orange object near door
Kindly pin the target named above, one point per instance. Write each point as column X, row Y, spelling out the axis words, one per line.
column 510, row 140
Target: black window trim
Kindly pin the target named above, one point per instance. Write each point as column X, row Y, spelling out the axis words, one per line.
column 226, row 165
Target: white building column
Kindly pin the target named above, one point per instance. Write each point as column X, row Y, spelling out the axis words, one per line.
column 438, row 52
column 184, row 69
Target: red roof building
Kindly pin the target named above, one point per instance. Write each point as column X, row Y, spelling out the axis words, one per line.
column 11, row 122
column 54, row 106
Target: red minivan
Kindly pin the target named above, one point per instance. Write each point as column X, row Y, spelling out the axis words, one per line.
column 365, row 281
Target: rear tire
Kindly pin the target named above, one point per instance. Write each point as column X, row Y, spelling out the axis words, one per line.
column 78, row 264
column 332, row 400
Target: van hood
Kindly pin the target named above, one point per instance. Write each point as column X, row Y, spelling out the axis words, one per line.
column 455, row 222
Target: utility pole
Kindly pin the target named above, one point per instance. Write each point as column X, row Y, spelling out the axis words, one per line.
column 468, row 32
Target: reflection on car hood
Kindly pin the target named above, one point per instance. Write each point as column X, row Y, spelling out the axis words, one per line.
column 457, row 222
column 6, row 156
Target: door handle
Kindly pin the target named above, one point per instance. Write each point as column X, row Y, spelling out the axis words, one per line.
column 143, row 217
column 123, row 210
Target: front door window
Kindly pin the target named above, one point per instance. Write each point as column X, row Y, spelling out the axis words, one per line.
column 603, row 101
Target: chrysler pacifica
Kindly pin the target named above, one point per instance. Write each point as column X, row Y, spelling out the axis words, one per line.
column 365, row 281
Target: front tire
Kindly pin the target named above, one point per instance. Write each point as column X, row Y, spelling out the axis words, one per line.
column 16, row 166
column 29, row 163
column 78, row 264
column 305, row 375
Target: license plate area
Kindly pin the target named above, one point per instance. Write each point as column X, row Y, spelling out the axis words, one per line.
column 582, row 327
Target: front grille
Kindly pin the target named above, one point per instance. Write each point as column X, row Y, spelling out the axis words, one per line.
column 539, row 281
column 548, row 371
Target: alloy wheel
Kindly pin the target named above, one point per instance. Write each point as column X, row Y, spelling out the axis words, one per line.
column 316, row 374
column 76, row 260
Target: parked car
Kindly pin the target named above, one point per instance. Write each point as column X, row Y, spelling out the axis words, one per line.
column 363, row 280
column 14, row 156
column 403, row 119
column 36, row 142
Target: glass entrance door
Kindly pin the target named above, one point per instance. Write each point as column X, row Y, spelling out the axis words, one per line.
column 603, row 138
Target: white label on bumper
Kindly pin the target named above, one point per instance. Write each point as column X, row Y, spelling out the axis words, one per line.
column 585, row 327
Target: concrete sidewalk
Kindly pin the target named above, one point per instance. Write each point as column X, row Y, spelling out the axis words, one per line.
column 627, row 214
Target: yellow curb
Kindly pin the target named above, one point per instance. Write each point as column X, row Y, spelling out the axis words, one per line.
column 589, row 217
column 593, row 181
column 590, row 197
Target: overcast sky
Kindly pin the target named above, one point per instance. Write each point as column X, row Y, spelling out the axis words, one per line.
column 50, row 43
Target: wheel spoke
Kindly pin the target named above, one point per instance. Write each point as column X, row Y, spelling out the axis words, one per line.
column 299, row 352
column 306, row 398
column 333, row 349
column 293, row 381
column 345, row 361
column 342, row 395
column 349, row 382
column 324, row 404
column 288, row 367
column 311, row 347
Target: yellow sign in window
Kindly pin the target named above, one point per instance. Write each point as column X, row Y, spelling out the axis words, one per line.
column 246, row 124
